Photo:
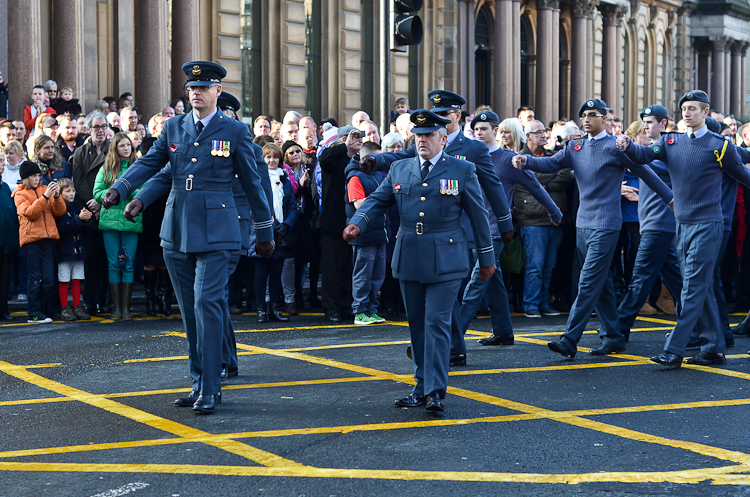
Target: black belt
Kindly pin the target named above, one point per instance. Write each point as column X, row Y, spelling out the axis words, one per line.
column 191, row 183
column 421, row 228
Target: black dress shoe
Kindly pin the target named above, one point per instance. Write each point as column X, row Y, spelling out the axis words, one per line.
column 458, row 359
column 434, row 404
column 668, row 359
column 497, row 340
column 262, row 317
column 227, row 373
column 206, row 403
column 413, row 400
column 561, row 348
column 707, row 359
column 187, row 401
column 607, row 349
column 333, row 317
column 275, row 315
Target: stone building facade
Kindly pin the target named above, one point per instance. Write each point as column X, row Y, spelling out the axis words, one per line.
column 322, row 57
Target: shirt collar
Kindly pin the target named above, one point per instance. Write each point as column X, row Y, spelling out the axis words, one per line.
column 602, row 134
column 452, row 136
column 699, row 132
column 206, row 119
column 433, row 160
column 494, row 147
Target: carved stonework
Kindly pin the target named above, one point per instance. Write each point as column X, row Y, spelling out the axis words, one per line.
column 635, row 5
column 580, row 7
column 740, row 47
column 548, row 4
column 720, row 43
column 593, row 4
column 612, row 14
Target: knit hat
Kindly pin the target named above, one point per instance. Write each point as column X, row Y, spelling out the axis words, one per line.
column 287, row 145
column 29, row 168
column 344, row 131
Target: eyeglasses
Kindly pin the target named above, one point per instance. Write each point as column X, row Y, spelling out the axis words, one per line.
column 590, row 116
column 294, row 152
column 536, row 132
column 99, row 127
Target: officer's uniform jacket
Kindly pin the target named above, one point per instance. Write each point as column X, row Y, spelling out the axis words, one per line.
column 477, row 153
column 201, row 214
column 431, row 246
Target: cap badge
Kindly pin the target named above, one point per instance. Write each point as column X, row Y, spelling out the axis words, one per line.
column 483, row 117
column 647, row 111
column 436, row 99
column 590, row 103
column 421, row 119
column 689, row 96
column 197, row 70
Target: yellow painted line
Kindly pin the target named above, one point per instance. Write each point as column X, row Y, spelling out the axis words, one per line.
column 661, row 407
column 656, row 320
column 549, row 368
column 243, row 450
column 348, row 346
column 156, row 359
column 719, row 476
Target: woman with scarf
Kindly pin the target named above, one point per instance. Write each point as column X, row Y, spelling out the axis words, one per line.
column 14, row 157
column 51, row 165
column 284, row 218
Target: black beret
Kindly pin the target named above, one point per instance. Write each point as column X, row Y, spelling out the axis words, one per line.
column 289, row 144
column 591, row 104
column 713, row 125
column 695, row 96
column 486, row 116
column 655, row 110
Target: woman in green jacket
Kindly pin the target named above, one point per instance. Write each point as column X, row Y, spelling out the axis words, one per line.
column 120, row 235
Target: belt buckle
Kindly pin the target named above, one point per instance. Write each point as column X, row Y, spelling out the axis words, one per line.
column 420, row 228
column 189, row 183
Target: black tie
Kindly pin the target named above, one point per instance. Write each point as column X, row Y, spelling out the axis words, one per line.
column 692, row 135
column 199, row 127
column 425, row 169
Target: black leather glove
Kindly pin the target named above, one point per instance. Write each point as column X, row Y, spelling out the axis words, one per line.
column 283, row 229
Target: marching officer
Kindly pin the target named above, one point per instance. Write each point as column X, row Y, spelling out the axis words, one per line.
column 201, row 227
column 448, row 105
column 429, row 260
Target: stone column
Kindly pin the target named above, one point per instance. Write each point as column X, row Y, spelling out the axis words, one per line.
column 502, row 66
column 67, row 48
column 728, row 78
column 555, row 56
column 545, row 77
column 24, row 59
column 578, row 54
column 152, row 66
column 185, row 41
column 618, row 104
column 738, row 91
column 717, row 79
column 590, row 48
column 743, row 72
column 612, row 15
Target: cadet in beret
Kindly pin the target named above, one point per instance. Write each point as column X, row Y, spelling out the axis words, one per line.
column 430, row 257
column 698, row 162
column 201, row 227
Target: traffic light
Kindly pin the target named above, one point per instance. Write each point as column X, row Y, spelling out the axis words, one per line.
column 406, row 25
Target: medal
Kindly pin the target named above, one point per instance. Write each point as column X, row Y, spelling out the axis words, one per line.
column 225, row 147
column 214, row 145
column 443, row 187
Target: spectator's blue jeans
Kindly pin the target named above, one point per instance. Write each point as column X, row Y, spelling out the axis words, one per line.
column 112, row 242
column 41, row 269
column 541, row 244
column 368, row 273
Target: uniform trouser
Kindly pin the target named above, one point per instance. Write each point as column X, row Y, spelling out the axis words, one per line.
column 655, row 257
column 721, row 301
column 596, row 289
column 368, row 273
column 697, row 251
column 494, row 291
column 428, row 309
column 229, row 345
column 201, row 289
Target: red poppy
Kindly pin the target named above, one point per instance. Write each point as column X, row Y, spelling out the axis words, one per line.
column 397, row 186
column 670, row 141
column 577, row 147
column 173, row 147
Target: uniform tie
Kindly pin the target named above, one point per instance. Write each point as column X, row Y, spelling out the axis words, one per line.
column 199, row 127
column 425, row 169
column 692, row 135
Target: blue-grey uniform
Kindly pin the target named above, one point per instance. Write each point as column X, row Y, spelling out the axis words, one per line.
column 430, row 259
column 477, row 153
column 201, row 227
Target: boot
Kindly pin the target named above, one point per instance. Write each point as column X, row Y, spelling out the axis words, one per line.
column 115, row 290
column 666, row 303
column 647, row 310
column 275, row 315
column 149, row 281
column 165, row 293
column 127, row 292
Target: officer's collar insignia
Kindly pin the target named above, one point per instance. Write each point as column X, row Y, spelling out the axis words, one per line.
column 173, row 147
column 421, row 119
column 647, row 111
column 436, row 99
column 670, row 141
column 449, row 186
column 590, row 103
column 197, row 70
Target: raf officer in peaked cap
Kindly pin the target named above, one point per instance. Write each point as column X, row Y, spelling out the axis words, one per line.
column 447, row 104
column 430, row 258
column 201, row 227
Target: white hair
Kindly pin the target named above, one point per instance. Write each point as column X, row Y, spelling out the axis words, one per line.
column 529, row 128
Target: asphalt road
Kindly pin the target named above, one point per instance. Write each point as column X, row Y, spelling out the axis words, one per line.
column 86, row 410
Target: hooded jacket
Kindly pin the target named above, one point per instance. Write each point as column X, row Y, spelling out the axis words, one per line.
column 37, row 214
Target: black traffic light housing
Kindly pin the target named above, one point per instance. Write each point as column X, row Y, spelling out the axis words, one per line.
column 406, row 25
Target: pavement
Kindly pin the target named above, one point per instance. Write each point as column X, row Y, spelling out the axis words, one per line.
column 86, row 410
